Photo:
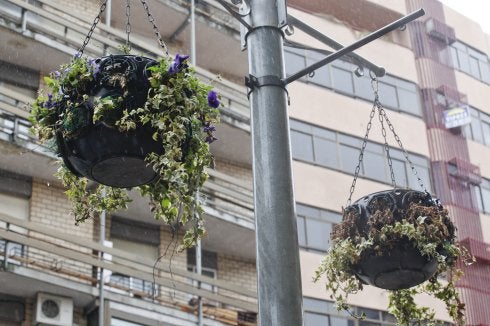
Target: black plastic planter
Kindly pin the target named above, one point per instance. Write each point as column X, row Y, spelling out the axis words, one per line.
column 403, row 266
column 98, row 150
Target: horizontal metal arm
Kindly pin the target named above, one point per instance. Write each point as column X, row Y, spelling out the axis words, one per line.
column 346, row 50
column 354, row 58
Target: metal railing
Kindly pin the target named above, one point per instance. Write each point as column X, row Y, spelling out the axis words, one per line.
column 75, row 259
column 62, row 30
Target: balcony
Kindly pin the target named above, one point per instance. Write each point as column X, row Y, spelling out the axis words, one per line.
column 50, row 261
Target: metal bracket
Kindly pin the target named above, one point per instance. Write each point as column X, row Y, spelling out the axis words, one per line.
column 350, row 57
column 348, row 49
column 253, row 83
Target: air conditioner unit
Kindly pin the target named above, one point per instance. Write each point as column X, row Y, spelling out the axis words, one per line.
column 54, row 310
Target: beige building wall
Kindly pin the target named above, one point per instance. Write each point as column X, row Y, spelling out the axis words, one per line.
column 476, row 91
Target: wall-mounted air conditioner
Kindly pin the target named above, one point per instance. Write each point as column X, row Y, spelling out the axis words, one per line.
column 53, row 310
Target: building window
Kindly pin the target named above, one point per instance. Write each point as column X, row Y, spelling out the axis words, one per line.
column 479, row 128
column 139, row 239
column 470, row 61
column 209, row 266
column 323, row 313
column 315, row 226
column 397, row 94
column 481, row 194
column 15, row 192
column 339, row 151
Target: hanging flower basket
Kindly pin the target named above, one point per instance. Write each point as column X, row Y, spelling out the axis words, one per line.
column 395, row 240
column 96, row 148
column 126, row 121
column 400, row 240
column 398, row 263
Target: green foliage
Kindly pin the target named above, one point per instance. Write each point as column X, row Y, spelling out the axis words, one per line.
column 178, row 111
column 428, row 229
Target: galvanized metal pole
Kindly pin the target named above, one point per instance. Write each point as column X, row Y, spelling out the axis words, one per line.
column 278, row 265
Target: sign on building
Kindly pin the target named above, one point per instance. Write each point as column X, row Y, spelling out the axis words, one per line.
column 457, row 116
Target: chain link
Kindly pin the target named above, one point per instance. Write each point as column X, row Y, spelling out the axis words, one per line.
column 91, row 31
column 155, row 28
column 128, row 24
column 386, row 146
column 361, row 154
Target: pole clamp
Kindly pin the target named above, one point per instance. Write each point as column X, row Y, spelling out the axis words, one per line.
column 253, row 83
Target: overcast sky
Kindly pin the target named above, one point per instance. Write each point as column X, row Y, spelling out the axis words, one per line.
column 477, row 10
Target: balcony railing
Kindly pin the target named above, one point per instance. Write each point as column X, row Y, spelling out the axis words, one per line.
column 75, row 259
column 53, row 26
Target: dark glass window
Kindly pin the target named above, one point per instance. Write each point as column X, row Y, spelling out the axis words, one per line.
column 342, row 80
column 470, row 61
column 300, row 220
column 387, row 95
column 302, row 145
column 349, row 156
column 374, row 165
column 363, row 88
column 294, row 61
column 315, row 226
column 339, row 151
column 322, row 75
column 326, row 152
column 315, row 319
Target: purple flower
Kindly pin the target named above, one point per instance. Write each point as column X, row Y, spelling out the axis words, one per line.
column 77, row 55
column 50, row 104
column 213, row 100
column 178, row 64
column 210, row 139
column 56, row 74
column 208, row 127
column 94, row 66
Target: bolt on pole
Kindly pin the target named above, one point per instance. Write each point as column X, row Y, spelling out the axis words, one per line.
column 278, row 264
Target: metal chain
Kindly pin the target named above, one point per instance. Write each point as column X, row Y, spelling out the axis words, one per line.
column 382, row 116
column 361, row 155
column 155, row 28
column 128, row 24
column 386, row 146
column 405, row 153
column 91, row 31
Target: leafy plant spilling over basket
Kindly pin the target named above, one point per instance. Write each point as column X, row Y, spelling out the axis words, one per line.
column 396, row 248
column 129, row 121
column 400, row 240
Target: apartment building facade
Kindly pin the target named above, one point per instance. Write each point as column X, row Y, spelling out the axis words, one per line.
column 438, row 63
